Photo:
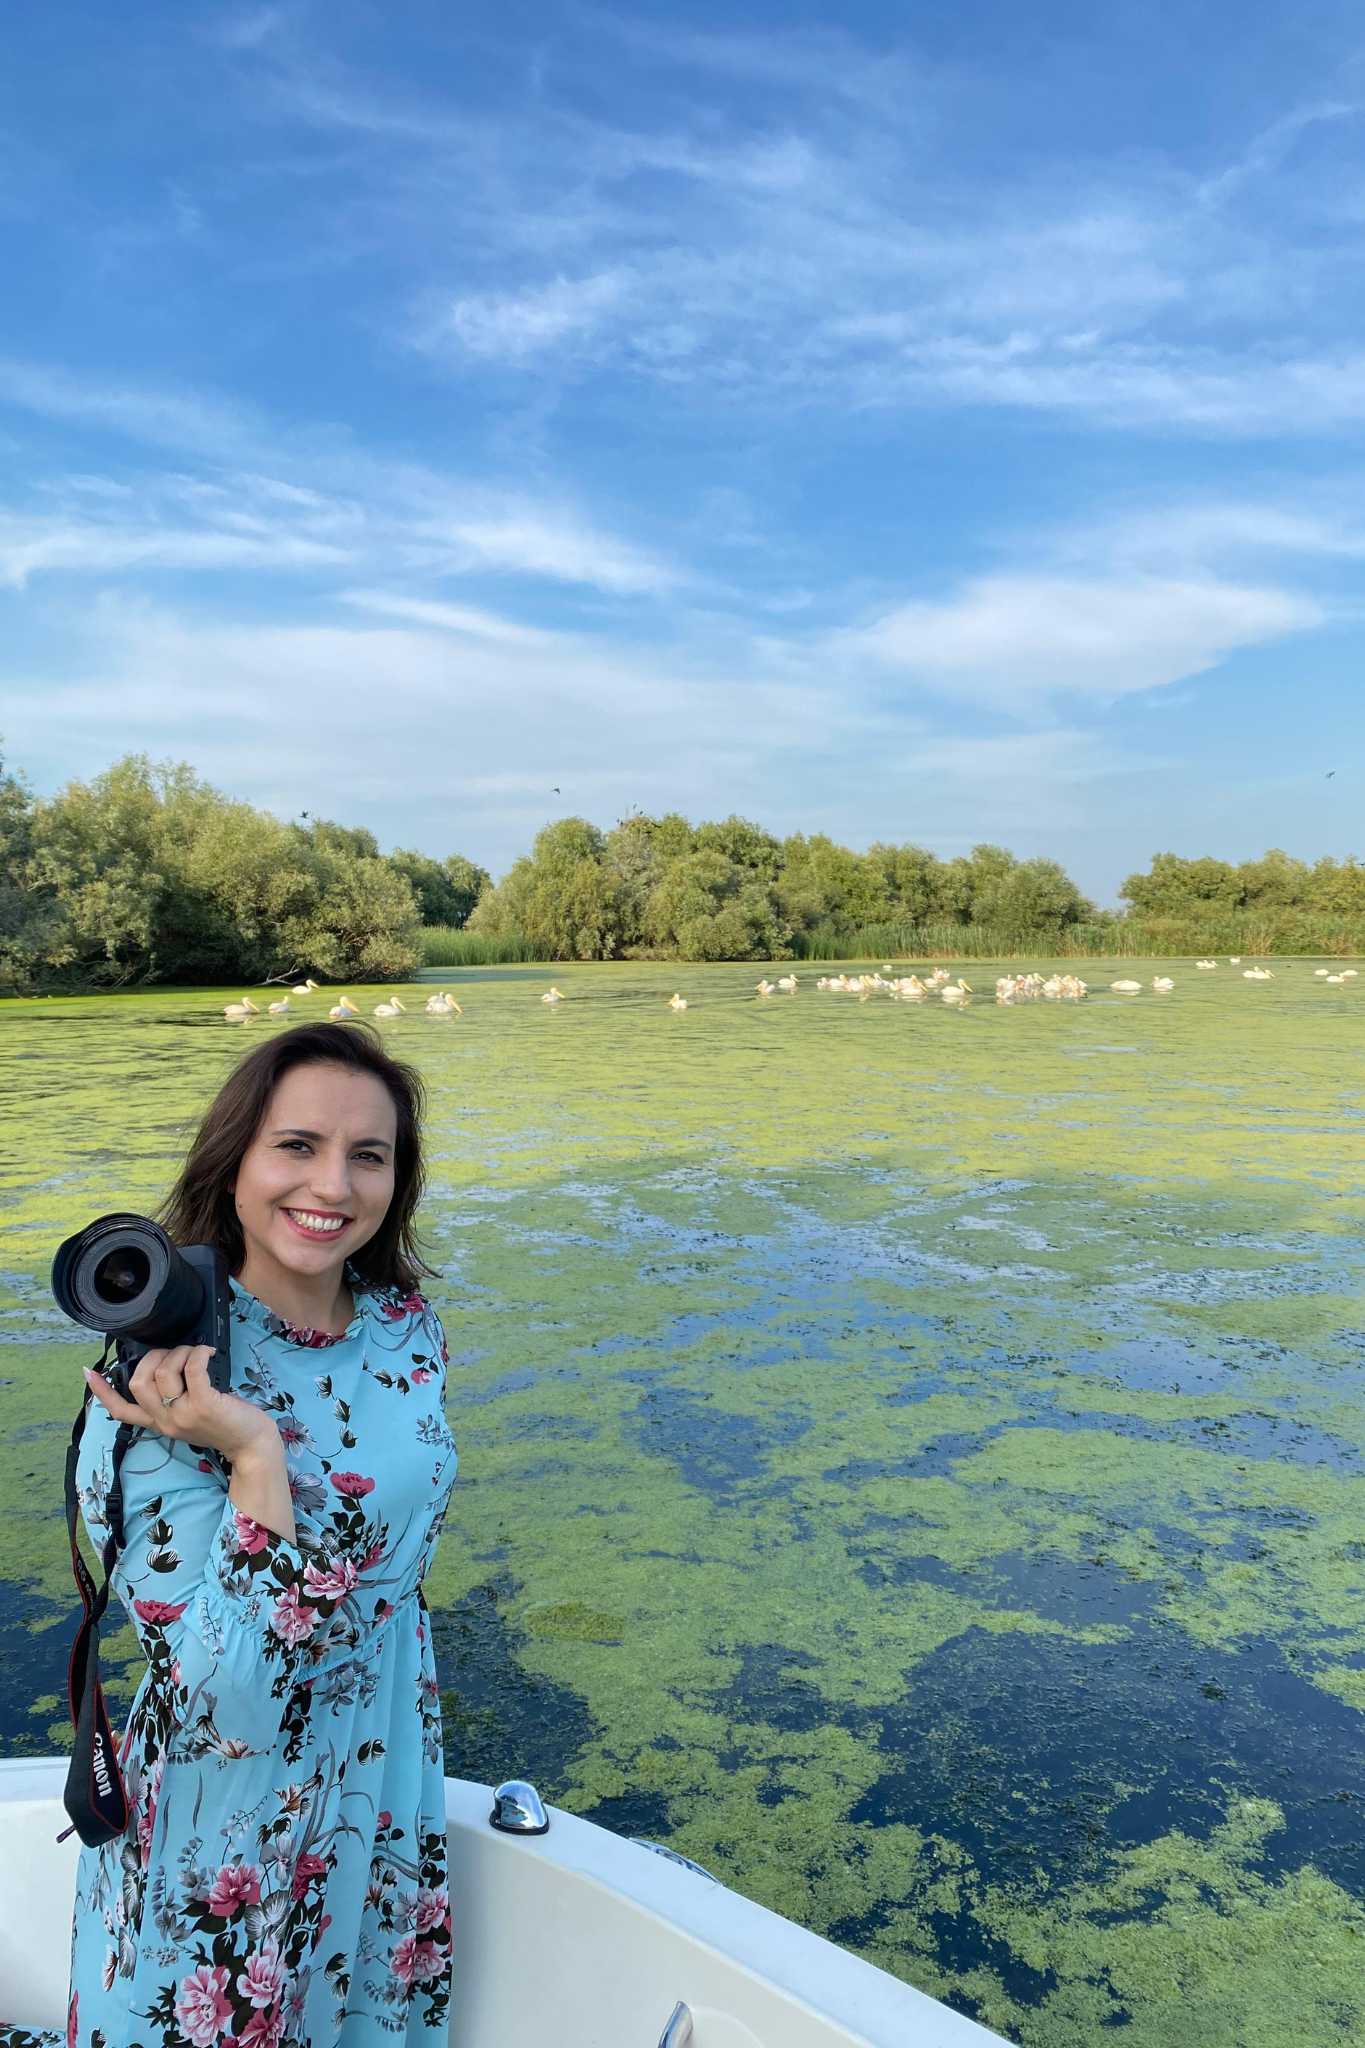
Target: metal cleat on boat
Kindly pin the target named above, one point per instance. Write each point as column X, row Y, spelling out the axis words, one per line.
column 517, row 1809
column 674, row 1856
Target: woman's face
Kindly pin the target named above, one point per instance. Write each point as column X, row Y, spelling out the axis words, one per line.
column 316, row 1181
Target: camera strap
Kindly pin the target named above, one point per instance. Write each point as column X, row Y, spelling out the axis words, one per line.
column 95, row 1796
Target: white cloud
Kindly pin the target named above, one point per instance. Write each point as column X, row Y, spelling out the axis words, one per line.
column 410, row 726
column 31, row 547
column 562, row 549
column 447, row 618
column 515, row 325
column 1013, row 641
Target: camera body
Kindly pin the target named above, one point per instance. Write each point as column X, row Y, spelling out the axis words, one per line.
column 122, row 1276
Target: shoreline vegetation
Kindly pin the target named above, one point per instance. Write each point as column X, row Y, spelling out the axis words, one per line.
column 146, row 874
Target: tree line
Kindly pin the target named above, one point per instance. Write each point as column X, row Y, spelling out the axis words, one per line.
column 146, row 873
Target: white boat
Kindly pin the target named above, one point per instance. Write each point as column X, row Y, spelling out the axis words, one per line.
column 575, row 1936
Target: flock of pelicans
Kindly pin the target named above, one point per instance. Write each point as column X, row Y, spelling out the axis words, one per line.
column 905, row 988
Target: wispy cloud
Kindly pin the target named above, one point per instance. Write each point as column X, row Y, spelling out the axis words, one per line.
column 1015, row 642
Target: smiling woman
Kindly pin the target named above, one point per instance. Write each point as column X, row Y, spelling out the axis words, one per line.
column 283, row 1755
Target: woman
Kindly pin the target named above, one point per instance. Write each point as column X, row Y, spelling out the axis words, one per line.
column 282, row 1880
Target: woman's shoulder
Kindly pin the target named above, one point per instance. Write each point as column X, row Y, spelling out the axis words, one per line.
column 407, row 1311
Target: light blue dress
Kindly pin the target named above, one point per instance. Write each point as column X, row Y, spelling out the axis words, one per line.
column 282, row 1881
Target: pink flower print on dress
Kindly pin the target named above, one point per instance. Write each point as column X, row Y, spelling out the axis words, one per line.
column 334, row 1583
column 433, row 1910
column 264, row 2029
column 203, row 2009
column 159, row 1613
column 291, row 1620
column 419, row 1375
column 252, row 1536
column 354, row 1484
column 308, row 1868
column 414, row 1960
column 72, row 2024
column 236, row 1885
column 406, row 1305
column 262, row 1978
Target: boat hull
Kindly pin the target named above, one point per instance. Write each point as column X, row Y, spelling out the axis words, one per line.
column 577, row 1937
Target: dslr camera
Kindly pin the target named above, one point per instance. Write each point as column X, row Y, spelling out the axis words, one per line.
column 122, row 1276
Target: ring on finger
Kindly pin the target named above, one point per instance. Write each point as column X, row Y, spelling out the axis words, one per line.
column 169, row 1400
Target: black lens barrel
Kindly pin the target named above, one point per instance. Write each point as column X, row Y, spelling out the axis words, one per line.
column 123, row 1276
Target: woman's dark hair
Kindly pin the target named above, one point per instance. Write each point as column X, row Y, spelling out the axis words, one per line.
column 200, row 1208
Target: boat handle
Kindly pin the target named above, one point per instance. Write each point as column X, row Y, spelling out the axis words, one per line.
column 678, row 2032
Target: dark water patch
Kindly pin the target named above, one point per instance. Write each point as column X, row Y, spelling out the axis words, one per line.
column 1046, row 1753
column 713, row 1448
column 1043, row 1758
column 500, row 1720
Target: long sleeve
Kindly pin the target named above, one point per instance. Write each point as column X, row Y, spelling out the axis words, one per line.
column 225, row 1608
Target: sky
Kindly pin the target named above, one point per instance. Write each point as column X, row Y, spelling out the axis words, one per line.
column 938, row 424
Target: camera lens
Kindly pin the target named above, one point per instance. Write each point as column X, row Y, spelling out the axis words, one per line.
column 122, row 1275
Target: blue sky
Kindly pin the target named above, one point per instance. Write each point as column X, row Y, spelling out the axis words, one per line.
column 938, row 424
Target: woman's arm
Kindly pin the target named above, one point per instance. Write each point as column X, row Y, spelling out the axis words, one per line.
column 260, row 1488
column 223, row 1602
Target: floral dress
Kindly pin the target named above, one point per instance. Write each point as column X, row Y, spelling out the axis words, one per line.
column 282, row 1879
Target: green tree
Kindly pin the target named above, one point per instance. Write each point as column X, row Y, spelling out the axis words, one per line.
column 446, row 890
column 1031, row 896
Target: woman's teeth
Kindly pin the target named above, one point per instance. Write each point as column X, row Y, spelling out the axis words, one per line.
column 313, row 1225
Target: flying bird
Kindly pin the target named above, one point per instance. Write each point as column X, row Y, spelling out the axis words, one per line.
column 1330, row 773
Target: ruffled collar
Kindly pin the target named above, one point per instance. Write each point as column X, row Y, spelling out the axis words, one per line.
column 253, row 1311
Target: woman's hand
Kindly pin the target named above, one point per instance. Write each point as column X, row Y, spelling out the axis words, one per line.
column 170, row 1393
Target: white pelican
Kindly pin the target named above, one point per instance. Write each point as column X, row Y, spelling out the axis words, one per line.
column 1322, row 970
column 1350, row 973
column 342, row 1009
column 677, row 1002
column 1336, row 978
column 246, row 1008
column 1257, row 974
column 555, row 996
column 443, row 1005
column 392, row 1008
column 1162, row 983
column 305, row 988
column 1206, row 963
column 788, row 982
column 1126, row 988
column 957, row 991
column 280, row 1008
column 1234, row 959
column 764, row 987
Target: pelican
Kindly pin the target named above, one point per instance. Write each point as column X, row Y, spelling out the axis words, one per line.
column 305, row 988
column 1322, row 971
column 1257, row 974
column 343, row 1009
column 788, row 982
column 554, row 995
column 280, row 1008
column 764, row 987
column 1206, row 963
column 1336, row 978
column 1234, row 959
column 1126, row 988
column 246, row 1008
column 393, row 1008
column 1162, row 983
column 443, row 1005
column 1350, row 973
column 677, row 1002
